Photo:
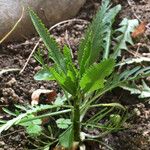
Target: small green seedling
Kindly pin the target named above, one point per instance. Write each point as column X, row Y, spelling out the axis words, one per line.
column 84, row 84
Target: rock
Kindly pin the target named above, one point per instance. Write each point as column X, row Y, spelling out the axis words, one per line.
column 50, row 11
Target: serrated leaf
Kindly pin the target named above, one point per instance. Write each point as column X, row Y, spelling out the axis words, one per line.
column 85, row 56
column 143, row 90
column 20, row 117
column 63, row 123
column 134, row 60
column 11, row 122
column 50, row 43
column 65, row 81
column 44, row 74
column 67, row 54
column 127, row 26
column 70, row 86
column 127, row 73
column 71, row 70
column 39, row 55
column 90, row 47
column 134, row 74
column 143, row 71
column 109, row 19
column 94, row 77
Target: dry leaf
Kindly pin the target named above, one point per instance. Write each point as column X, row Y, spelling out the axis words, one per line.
column 35, row 97
column 51, row 96
column 139, row 30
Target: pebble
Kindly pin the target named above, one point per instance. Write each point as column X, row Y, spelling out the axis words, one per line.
column 50, row 11
column 1, row 143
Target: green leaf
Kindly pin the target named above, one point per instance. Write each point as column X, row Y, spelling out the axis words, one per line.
column 108, row 21
column 70, row 86
column 135, row 74
column 90, row 47
column 67, row 54
column 133, row 60
column 60, row 100
column 9, row 112
column 85, row 56
column 30, row 123
column 94, row 77
column 44, row 74
column 21, row 107
column 128, row 73
column 127, row 26
column 39, row 55
column 46, row 148
column 50, row 43
column 71, row 70
column 65, row 81
column 34, row 130
column 11, row 122
column 20, row 117
column 117, row 105
column 142, row 90
column 63, row 123
column 66, row 139
column 2, row 121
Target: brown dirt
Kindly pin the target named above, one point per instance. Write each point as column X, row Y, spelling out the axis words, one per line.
column 17, row 88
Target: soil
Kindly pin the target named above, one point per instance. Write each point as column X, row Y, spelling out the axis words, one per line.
column 17, row 88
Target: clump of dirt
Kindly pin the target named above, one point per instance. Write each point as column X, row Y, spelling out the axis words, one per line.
column 17, row 88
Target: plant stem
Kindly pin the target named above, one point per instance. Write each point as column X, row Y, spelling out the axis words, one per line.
column 76, row 119
column 45, row 115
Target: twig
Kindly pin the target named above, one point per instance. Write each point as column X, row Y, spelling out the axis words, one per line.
column 8, row 70
column 14, row 27
column 134, row 53
column 2, row 136
column 63, row 22
column 68, row 42
column 137, row 50
column 67, row 39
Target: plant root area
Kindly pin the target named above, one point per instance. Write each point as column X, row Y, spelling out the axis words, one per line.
column 17, row 88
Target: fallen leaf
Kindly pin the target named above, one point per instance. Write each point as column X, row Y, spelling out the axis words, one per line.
column 139, row 30
column 35, row 97
column 51, row 96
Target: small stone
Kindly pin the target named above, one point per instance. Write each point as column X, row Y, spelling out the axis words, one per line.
column 2, row 143
column 37, row 68
column 50, row 11
column 137, row 111
column 33, row 61
column 11, row 82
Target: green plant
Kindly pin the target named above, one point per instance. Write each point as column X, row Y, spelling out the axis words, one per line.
column 83, row 84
